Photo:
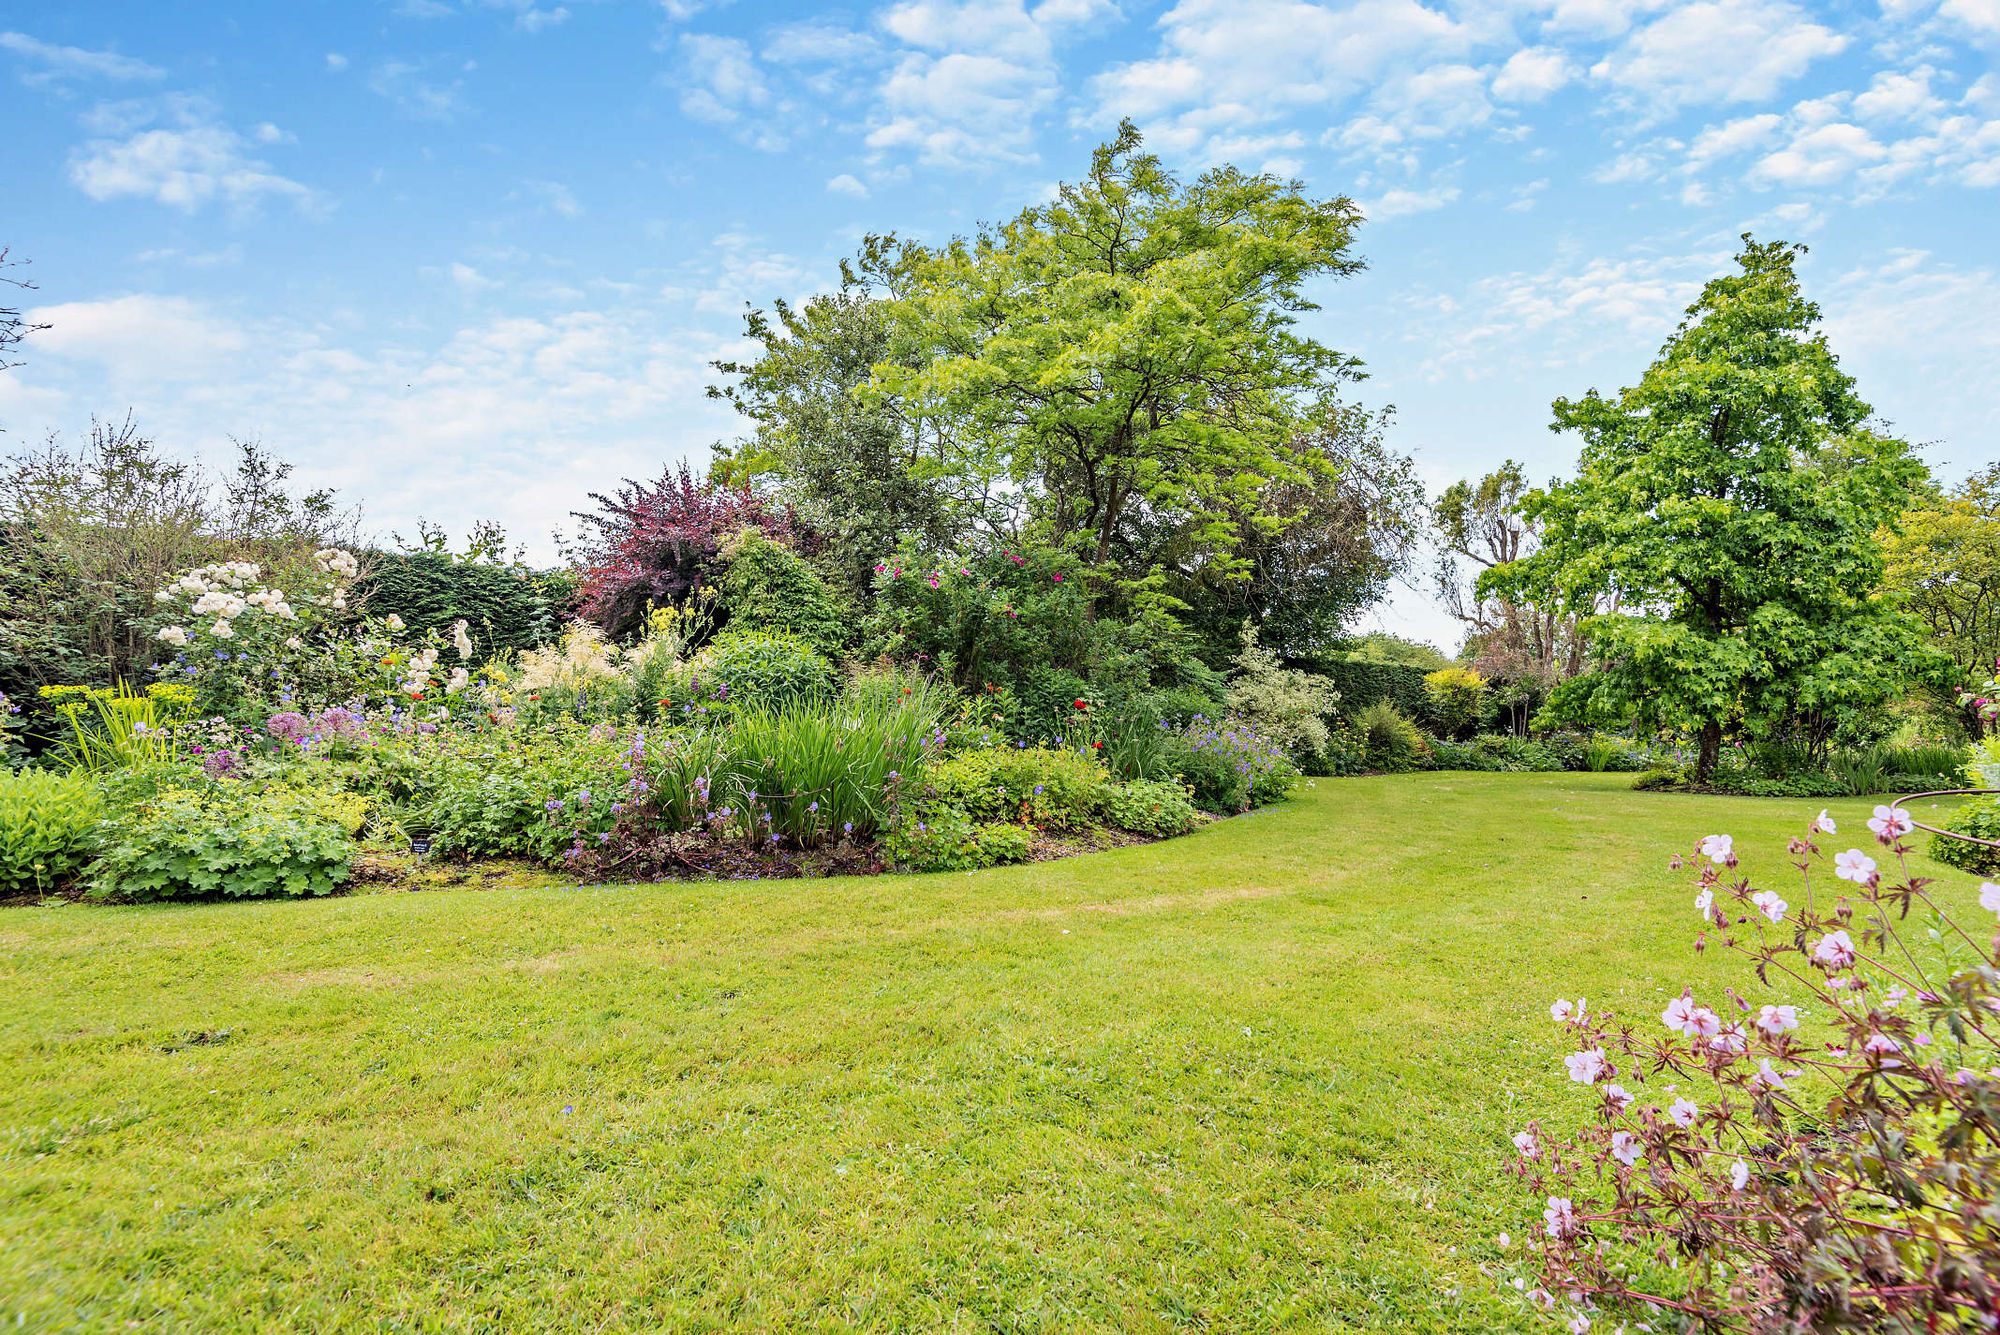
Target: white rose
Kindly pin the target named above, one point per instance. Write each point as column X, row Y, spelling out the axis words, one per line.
column 394, row 623
column 172, row 635
column 222, row 630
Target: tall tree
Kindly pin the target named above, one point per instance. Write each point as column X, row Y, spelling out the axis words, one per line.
column 1944, row 559
column 862, row 474
column 1729, row 502
column 1525, row 647
column 1128, row 351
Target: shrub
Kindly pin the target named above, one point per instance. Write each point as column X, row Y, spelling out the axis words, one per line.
column 946, row 839
column 505, row 607
column 46, row 821
column 756, row 669
column 1289, row 707
column 1842, row 1177
column 1389, row 741
column 1231, row 767
column 507, row 793
column 1977, row 818
column 228, row 839
column 580, row 677
column 767, row 586
column 1455, row 698
column 1362, row 683
column 1661, row 777
column 1026, row 785
column 1150, row 806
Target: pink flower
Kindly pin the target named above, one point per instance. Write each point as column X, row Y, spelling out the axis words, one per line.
column 1704, row 901
column 1683, row 1112
column 1684, row 1017
column 1718, row 848
column 1880, row 1045
column 1854, row 865
column 1889, row 823
column 1567, row 1012
column 1767, row 1076
column 1739, row 1176
column 1560, row 1217
column 1057, row 577
column 1626, row 1147
column 1618, row 1096
column 1525, row 1143
column 1773, row 907
column 1587, row 1068
column 1835, row 950
column 1775, row 1020
column 1989, row 897
column 1825, row 823
column 1730, row 1039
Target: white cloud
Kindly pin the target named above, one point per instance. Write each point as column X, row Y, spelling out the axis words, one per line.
column 190, row 162
column 146, row 338
column 1232, row 65
column 1821, row 156
column 1897, row 96
column 554, row 196
column 1532, row 73
column 335, row 61
column 1716, row 51
column 844, row 184
column 411, row 88
column 1400, row 203
column 1733, row 137
column 1981, row 16
column 48, row 63
column 722, row 84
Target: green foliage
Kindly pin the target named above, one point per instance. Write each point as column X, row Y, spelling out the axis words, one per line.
column 1026, row 785
column 1150, row 806
column 1230, row 767
column 1382, row 647
column 1500, row 753
column 1127, row 356
column 1362, row 683
column 227, row 839
column 1455, row 699
column 1730, row 501
column 759, row 670
column 767, row 586
column 490, row 795
column 46, row 820
column 1942, row 558
column 830, row 771
column 505, row 606
column 1389, row 741
column 946, row 839
column 116, row 727
column 1660, row 778
column 1288, row 706
column 1978, row 818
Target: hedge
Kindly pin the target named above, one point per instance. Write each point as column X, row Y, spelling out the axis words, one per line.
column 505, row 607
column 1362, row 684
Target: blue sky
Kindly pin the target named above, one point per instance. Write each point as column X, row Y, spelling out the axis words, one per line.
column 470, row 259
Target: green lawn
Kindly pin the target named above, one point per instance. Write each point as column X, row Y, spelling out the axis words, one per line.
column 1258, row 1078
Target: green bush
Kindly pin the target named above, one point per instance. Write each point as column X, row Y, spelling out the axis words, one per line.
column 1979, row 818
column 505, row 607
column 46, row 821
column 769, row 587
column 1454, row 699
column 1389, row 741
column 1660, row 777
column 946, row 839
column 1230, row 767
column 491, row 796
column 1027, row 785
column 228, row 839
column 761, row 670
column 1150, row 806
column 1288, row 706
column 1362, row 684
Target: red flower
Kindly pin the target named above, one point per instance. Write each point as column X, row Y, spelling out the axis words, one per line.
column 1082, row 704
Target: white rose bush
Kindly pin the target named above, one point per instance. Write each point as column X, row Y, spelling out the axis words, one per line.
column 1821, row 1153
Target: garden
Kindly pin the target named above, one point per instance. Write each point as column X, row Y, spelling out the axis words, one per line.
column 953, row 862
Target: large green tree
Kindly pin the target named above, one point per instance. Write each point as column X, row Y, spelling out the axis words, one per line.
column 1729, row 504
column 1125, row 358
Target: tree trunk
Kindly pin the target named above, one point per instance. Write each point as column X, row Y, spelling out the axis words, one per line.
column 1711, row 751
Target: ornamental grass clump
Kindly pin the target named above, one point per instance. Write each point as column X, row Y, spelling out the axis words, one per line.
column 1821, row 1152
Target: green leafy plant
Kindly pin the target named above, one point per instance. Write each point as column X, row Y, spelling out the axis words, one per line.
column 1454, row 697
column 946, row 839
column 1389, row 741
column 1028, row 785
column 116, row 727
column 46, row 823
column 1150, row 806
column 231, row 840
column 1978, row 818
column 757, row 669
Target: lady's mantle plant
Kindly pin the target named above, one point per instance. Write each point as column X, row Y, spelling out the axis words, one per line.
column 1828, row 1159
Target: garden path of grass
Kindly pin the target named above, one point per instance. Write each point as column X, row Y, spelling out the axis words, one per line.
column 1260, row 1078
